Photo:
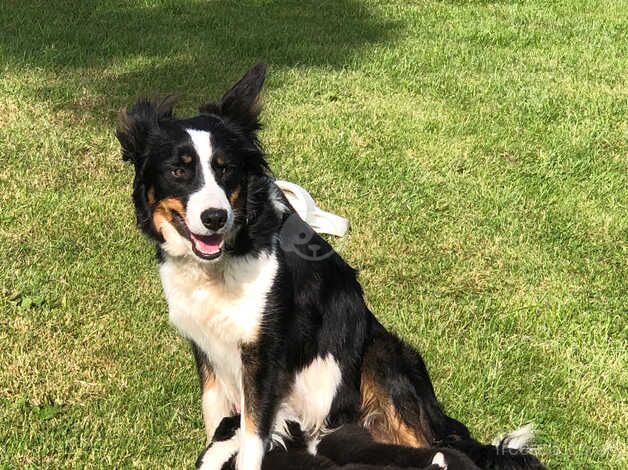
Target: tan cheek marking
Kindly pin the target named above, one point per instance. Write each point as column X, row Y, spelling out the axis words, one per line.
column 163, row 213
column 173, row 204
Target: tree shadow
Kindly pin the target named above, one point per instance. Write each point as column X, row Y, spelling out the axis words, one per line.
column 98, row 56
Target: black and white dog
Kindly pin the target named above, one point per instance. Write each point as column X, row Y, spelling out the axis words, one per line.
column 279, row 334
column 350, row 447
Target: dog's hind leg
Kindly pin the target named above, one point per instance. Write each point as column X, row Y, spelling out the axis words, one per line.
column 399, row 406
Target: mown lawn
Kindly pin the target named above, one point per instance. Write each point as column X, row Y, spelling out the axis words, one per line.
column 479, row 149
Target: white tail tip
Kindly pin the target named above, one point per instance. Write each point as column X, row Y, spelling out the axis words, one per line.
column 519, row 439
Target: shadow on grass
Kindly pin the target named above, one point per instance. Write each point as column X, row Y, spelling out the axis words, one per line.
column 98, row 55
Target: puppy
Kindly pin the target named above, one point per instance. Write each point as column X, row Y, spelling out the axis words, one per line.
column 348, row 448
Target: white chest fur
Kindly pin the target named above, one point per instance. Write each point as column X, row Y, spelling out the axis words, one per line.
column 219, row 307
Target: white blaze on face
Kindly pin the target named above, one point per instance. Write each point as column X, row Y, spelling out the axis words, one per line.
column 210, row 195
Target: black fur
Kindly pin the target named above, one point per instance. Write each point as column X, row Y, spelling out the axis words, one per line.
column 315, row 306
column 348, row 448
column 353, row 444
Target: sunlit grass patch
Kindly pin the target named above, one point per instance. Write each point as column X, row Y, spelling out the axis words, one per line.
column 478, row 148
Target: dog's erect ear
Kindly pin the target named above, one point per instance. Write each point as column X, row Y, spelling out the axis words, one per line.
column 136, row 125
column 242, row 103
column 243, row 97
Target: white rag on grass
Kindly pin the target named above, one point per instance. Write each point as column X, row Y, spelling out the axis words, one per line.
column 321, row 221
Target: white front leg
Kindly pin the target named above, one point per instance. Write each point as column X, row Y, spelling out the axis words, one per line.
column 251, row 452
column 252, row 449
column 215, row 406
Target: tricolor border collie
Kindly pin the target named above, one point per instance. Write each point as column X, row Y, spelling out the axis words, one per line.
column 278, row 335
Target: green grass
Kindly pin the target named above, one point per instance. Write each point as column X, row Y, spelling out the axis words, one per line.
column 479, row 149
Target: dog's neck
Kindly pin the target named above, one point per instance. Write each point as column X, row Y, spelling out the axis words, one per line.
column 228, row 270
column 267, row 208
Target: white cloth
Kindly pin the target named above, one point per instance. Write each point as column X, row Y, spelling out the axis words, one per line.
column 320, row 220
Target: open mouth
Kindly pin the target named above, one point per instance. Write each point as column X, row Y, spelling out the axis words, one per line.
column 204, row 246
column 207, row 246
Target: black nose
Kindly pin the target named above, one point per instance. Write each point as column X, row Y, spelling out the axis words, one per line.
column 214, row 219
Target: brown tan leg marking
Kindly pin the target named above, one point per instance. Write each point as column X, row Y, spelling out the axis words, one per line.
column 250, row 364
column 214, row 405
column 207, row 377
column 382, row 419
column 250, row 424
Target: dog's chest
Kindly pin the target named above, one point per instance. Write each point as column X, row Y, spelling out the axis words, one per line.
column 219, row 308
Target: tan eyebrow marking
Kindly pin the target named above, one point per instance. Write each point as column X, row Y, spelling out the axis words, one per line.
column 219, row 157
column 186, row 158
column 234, row 196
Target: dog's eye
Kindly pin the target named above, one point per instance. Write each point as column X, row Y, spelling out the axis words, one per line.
column 178, row 172
column 222, row 170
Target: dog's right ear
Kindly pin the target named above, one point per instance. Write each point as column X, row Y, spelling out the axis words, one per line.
column 242, row 103
column 137, row 124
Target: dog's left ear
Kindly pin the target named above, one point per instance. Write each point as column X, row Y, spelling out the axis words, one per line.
column 242, row 102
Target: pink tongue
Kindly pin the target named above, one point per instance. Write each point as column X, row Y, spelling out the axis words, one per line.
column 207, row 244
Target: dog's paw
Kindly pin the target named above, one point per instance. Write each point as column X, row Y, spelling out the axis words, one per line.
column 220, row 455
column 439, row 460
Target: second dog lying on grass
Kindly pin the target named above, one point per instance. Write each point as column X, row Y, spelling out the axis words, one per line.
column 349, row 448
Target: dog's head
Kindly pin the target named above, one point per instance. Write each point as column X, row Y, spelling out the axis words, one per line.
column 193, row 176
